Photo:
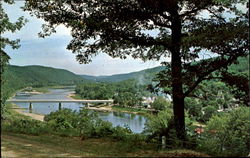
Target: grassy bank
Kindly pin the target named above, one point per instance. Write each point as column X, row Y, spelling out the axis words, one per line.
column 76, row 96
column 54, row 146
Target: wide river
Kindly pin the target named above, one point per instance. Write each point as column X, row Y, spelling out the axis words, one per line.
column 134, row 122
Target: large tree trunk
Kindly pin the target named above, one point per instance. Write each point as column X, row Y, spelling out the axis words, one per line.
column 176, row 66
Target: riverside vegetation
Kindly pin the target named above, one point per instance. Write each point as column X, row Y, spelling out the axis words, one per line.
column 226, row 134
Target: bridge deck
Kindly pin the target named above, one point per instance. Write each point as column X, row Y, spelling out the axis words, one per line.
column 59, row 101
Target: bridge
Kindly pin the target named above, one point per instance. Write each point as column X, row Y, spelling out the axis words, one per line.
column 87, row 102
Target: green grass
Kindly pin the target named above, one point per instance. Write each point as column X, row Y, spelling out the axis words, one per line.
column 55, row 146
column 76, row 96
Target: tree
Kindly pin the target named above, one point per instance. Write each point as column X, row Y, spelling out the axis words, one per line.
column 228, row 134
column 160, row 103
column 6, row 25
column 151, row 29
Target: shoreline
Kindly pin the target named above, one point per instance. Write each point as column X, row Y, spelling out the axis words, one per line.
column 103, row 108
column 71, row 95
column 34, row 116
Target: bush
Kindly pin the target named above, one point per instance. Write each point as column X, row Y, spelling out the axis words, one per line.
column 160, row 103
column 228, row 134
column 66, row 122
column 163, row 125
column 64, row 118
column 102, row 129
column 121, row 133
column 26, row 126
column 209, row 111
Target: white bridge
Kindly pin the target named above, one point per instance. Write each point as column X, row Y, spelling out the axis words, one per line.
column 108, row 102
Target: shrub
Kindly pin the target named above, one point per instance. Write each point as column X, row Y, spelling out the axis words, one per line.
column 163, row 125
column 26, row 126
column 121, row 133
column 66, row 122
column 102, row 129
column 64, row 118
column 209, row 111
column 228, row 134
column 160, row 103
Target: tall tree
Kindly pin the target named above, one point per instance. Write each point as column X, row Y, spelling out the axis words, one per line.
column 151, row 29
column 5, row 26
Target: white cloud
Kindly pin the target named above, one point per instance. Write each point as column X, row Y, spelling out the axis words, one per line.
column 61, row 30
column 51, row 51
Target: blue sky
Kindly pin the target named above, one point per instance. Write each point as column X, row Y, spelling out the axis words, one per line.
column 51, row 51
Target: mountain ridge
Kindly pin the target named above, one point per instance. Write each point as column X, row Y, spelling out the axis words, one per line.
column 124, row 76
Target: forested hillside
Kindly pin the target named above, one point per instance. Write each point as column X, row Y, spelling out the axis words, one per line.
column 142, row 76
column 17, row 77
column 145, row 76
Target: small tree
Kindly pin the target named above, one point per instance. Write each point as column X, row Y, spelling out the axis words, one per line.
column 151, row 29
column 160, row 103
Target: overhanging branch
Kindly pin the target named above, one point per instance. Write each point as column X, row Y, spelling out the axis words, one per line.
column 213, row 66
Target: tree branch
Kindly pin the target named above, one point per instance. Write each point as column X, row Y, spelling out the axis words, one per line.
column 159, row 23
column 142, row 41
column 213, row 66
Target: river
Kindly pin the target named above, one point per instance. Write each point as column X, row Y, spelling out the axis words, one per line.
column 134, row 122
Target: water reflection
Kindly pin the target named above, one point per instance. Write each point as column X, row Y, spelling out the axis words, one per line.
column 134, row 122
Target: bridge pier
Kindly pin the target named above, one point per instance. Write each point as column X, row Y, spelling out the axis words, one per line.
column 30, row 107
column 87, row 105
column 60, row 106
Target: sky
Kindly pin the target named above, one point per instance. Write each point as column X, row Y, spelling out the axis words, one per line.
column 51, row 51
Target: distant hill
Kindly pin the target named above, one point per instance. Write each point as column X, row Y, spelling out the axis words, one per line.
column 21, row 76
column 147, row 75
column 141, row 76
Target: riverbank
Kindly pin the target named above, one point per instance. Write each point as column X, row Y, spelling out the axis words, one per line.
column 46, row 88
column 110, row 108
column 20, row 111
column 34, row 116
column 41, row 90
column 74, row 96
